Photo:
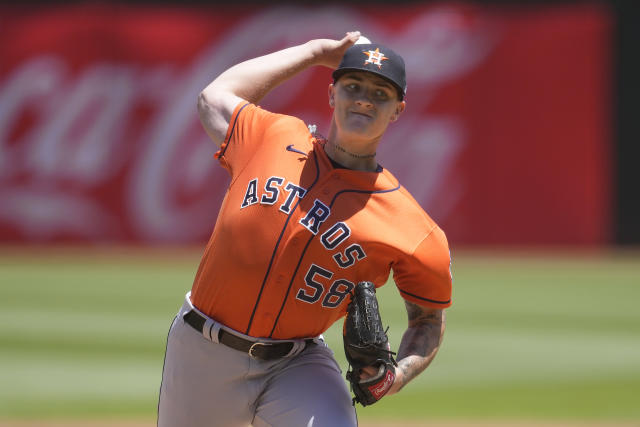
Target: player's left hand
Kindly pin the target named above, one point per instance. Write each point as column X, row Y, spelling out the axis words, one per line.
column 366, row 344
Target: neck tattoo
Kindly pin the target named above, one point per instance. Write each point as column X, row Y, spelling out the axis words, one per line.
column 357, row 156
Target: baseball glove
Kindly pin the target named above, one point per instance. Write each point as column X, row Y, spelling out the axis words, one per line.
column 366, row 344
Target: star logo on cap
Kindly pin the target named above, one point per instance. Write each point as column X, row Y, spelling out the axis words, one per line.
column 374, row 57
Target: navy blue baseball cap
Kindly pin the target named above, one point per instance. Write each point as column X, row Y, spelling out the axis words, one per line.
column 377, row 59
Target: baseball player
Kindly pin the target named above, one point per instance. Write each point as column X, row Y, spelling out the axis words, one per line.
column 304, row 219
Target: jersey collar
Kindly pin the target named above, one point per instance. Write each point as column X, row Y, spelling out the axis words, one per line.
column 380, row 180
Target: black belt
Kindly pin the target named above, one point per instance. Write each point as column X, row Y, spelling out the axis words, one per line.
column 257, row 350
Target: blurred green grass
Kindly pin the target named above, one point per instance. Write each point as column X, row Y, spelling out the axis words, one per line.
column 529, row 336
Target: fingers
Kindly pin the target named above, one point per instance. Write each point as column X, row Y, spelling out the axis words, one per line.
column 351, row 37
column 371, row 372
column 329, row 52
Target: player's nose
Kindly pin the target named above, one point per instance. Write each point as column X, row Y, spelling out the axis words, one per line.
column 364, row 101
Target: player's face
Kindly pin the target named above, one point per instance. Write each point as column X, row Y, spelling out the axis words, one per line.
column 364, row 105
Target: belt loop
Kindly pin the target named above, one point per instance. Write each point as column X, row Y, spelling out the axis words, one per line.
column 215, row 332
column 210, row 329
column 297, row 347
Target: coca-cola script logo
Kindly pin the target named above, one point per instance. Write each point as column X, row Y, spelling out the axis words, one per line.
column 114, row 151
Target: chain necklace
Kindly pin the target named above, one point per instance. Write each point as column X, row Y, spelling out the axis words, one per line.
column 357, row 156
column 313, row 128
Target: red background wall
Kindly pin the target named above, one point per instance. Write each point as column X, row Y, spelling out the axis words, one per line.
column 506, row 138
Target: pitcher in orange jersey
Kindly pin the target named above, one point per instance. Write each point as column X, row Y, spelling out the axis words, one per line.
column 304, row 219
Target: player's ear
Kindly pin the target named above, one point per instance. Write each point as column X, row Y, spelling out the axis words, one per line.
column 399, row 109
column 332, row 93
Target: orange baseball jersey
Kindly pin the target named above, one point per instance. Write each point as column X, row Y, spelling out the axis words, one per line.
column 295, row 234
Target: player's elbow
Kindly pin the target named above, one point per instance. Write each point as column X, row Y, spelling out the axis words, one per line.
column 212, row 117
column 215, row 107
column 215, row 101
column 205, row 103
column 206, row 109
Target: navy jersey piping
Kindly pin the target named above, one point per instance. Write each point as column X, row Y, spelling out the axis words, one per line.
column 425, row 299
column 275, row 249
column 233, row 128
column 304, row 251
column 290, row 147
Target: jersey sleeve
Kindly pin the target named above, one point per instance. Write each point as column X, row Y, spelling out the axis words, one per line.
column 246, row 131
column 424, row 276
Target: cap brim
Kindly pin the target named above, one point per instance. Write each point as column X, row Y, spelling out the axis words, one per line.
column 341, row 71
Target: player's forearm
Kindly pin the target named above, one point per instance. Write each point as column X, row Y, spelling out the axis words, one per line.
column 251, row 80
column 419, row 344
column 254, row 78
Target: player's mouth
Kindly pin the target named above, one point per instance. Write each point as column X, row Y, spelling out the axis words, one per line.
column 361, row 113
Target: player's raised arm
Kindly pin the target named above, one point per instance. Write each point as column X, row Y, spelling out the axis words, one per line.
column 251, row 80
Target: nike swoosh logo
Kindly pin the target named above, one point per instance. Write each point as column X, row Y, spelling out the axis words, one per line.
column 290, row 148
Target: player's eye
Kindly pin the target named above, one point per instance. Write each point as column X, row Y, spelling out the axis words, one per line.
column 352, row 86
column 381, row 94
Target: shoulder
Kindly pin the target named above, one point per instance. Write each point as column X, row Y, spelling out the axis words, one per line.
column 405, row 205
column 258, row 116
column 251, row 124
column 413, row 229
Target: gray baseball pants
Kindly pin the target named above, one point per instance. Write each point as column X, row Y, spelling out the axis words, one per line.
column 205, row 383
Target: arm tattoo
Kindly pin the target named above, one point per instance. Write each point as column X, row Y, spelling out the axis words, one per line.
column 421, row 340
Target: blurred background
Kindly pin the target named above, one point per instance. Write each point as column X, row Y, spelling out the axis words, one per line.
column 520, row 139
